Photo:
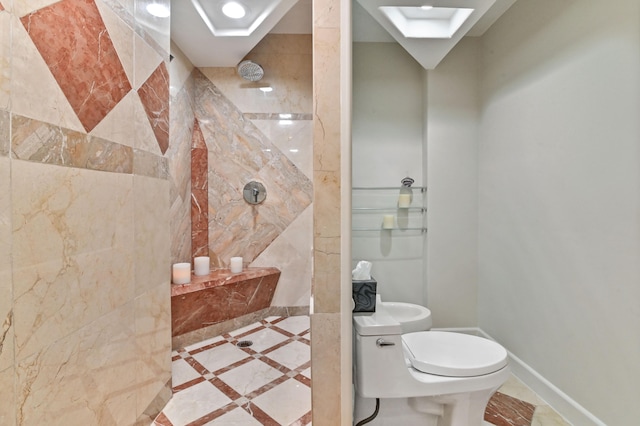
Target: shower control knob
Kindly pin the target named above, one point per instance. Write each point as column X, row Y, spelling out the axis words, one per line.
column 254, row 193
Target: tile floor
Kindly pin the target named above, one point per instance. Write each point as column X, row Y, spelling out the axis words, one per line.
column 222, row 382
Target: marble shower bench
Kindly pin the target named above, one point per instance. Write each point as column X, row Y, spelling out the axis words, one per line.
column 220, row 302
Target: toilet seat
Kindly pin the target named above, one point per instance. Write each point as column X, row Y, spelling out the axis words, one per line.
column 453, row 354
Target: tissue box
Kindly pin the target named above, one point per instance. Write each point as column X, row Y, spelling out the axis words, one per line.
column 364, row 295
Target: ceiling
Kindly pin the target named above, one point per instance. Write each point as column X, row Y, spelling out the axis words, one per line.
column 195, row 37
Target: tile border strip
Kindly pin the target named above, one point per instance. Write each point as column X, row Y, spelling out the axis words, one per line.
column 41, row 142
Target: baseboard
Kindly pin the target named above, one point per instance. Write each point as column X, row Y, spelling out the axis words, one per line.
column 561, row 402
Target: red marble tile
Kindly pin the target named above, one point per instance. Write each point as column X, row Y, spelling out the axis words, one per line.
column 260, row 415
column 154, row 94
column 200, row 225
column 230, row 392
column 162, row 420
column 74, row 42
column 221, row 277
column 197, row 138
column 200, row 196
column 214, row 415
column 199, row 168
column 220, row 296
column 504, row 410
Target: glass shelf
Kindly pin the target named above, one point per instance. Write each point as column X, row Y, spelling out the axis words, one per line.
column 380, row 209
column 388, row 229
column 367, row 203
column 389, row 188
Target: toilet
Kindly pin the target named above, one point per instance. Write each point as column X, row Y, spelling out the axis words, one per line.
column 427, row 378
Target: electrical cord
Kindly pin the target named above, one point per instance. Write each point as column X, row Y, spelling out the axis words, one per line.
column 371, row 417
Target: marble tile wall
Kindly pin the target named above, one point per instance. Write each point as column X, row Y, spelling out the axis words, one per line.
column 179, row 154
column 250, row 134
column 328, row 345
column 84, row 208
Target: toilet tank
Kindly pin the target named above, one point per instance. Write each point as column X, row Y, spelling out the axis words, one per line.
column 380, row 371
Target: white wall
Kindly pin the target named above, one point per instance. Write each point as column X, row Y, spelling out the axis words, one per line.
column 409, row 122
column 452, row 170
column 387, row 145
column 559, row 233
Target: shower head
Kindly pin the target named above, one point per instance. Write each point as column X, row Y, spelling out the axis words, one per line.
column 250, row 71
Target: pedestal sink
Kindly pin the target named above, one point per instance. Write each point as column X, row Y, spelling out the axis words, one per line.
column 410, row 316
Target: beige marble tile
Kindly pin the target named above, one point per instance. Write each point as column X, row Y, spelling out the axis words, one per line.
column 289, row 74
column 22, row 7
column 325, row 363
column 179, row 163
column 293, row 138
column 34, row 91
column 5, row 59
column 546, row 416
column 7, row 402
column 72, row 249
column 152, row 256
column 6, row 321
column 154, row 29
column 515, row 388
column 144, row 138
column 85, row 378
column 153, row 344
column 6, row 300
column 5, row 138
column 291, row 253
column 326, row 200
column 180, row 70
column 117, row 126
column 121, row 36
column 146, row 62
column 327, row 125
column 326, row 282
column 326, row 14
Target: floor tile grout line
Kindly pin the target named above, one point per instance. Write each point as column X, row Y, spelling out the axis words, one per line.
column 237, row 399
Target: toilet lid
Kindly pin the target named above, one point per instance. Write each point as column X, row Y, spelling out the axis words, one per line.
column 453, row 354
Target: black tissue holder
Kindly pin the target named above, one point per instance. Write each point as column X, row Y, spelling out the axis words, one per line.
column 364, row 295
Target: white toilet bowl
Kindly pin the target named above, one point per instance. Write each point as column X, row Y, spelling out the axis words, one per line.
column 446, row 378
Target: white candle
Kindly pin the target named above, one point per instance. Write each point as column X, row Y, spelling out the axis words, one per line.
column 236, row 265
column 201, row 265
column 181, row 273
column 404, row 200
column 387, row 221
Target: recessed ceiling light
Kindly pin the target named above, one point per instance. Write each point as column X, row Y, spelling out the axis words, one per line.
column 426, row 7
column 158, row 10
column 233, row 10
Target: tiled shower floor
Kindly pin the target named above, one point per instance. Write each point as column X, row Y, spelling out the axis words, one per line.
column 222, row 382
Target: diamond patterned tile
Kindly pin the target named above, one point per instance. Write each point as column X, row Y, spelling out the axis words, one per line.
column 297, row 395
column 237, row 417
column 265, row 339
column 250, row 376
column 154, row 94
column 245, row 329
column 181, row 372
column 91, row 77
column 220, row 356
column 292, row 355
column 271, row 386
column 295, row 325
column 194, row 402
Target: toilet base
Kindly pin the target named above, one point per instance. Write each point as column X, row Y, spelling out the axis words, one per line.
column 466, row 409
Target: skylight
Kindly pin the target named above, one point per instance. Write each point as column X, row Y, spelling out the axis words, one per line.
column 420, row 22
